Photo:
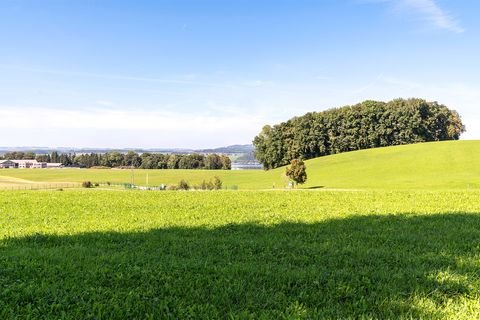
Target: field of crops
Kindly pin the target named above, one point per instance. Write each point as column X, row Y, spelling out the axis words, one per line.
column 95, row 254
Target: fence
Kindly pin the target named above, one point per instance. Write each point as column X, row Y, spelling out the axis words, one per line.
column 152, row 188
column 130, row 186
column 41, row 186
column 52, row 186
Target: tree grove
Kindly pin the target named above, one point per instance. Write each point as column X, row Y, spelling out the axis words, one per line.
column 369, row 124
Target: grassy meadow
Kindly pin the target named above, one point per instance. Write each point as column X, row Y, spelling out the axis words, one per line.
column 97, row 254
column 439, row 165
column 376, row 234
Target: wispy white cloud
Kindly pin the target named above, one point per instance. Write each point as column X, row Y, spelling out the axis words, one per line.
column 118, row 128
column 187, row 80
column 106, row 103
column 434, row 14
column 105, row 118
column 459, row 96
column 427, row 10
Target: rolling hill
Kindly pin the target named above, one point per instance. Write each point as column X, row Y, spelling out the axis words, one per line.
column 445, row 165
column 435, row 165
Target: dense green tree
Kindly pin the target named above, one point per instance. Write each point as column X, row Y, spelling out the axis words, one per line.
column 29, row 156
column 131, row 159
column 297, row 171
column 173, row 161
column 112, row 159
column 197, row 161
column 226, row 163
column 148, row 161
column 43, row 158
column 65, row 159
column 369, row 124
column 15, row 155
column 161, row 160
column 55, row 157
column 213, row 161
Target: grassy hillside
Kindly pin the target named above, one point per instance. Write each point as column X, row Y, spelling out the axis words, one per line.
column 439, row 165
column 446, row 165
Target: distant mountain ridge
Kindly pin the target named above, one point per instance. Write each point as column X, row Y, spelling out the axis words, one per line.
column 236, row 148
column 233, row 149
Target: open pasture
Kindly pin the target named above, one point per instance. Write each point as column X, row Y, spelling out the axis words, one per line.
column 6, row 181
column 242, row 179
column 450, row 165
column 96, row 254
column 400, row 241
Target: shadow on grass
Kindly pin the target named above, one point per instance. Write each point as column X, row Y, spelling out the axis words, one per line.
column 373, row 266
column 316, row 187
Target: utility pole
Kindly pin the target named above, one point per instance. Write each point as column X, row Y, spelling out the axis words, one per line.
column 132, row 177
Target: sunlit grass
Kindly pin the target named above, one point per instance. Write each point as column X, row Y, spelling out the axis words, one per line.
column 441, row 166
column 245, row 254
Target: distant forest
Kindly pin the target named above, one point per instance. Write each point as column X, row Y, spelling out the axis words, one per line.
column 131, row 159
column 369, row 124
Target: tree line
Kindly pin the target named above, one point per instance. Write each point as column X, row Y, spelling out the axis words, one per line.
column 369, row 124
column 131, row 159
column 64, row 158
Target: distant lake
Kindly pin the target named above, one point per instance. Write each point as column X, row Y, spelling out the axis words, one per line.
column 247, row 166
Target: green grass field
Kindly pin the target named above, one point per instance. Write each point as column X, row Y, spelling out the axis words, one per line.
column 395, row 233
column 97, row 254
column 439, row 165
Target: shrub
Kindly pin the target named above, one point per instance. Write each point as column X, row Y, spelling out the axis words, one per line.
column 97, row 184
column 217, row 183
column 87, row 184
column 183, row 185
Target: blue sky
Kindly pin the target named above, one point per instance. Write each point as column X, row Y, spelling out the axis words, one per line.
column 206, row 73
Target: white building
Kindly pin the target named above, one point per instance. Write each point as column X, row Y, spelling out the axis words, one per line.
column 28, row 164
column 6, row 164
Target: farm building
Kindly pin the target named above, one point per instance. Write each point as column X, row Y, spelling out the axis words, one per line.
column 8, row 164
column 27, row 164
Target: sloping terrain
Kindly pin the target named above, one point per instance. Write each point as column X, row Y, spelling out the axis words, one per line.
column 8, row 181
column 436, row 165
column 445, row 165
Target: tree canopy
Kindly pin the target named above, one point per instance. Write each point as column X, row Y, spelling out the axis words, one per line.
column 297, row 171
column 369, row 124
column 145, row 160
